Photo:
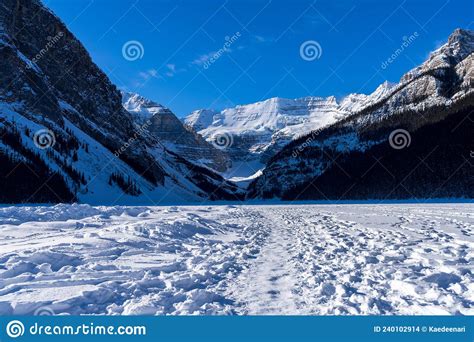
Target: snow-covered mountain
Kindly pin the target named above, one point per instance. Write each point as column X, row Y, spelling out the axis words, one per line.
column 253, row 133
column 171, row 132
column 413, row 140
column 68, row 134
column 141, row 108
column 356, row 102
column 200, row 119
column 64, row 134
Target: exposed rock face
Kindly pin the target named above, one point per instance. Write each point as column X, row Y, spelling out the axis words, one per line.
column 94, row 150
column 65, row 79
column 173, row 134
column 360, row 157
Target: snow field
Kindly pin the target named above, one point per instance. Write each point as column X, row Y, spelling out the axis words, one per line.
column 261, row 259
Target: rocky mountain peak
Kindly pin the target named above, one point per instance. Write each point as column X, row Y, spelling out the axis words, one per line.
column 142, row 108
column 134, row 100
column 461, row 41
column 172, row 133
column 460, row 45
column 382, row 90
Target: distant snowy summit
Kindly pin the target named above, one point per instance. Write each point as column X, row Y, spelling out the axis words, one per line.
column 140, row 107
column 260, row 129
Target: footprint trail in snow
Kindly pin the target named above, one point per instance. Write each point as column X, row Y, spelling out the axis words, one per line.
column 278, row 259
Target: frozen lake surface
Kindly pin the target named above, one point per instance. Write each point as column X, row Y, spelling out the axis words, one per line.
column 260, row 259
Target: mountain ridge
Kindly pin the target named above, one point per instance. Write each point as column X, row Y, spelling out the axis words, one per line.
column 65, row 134
column 173, row 134
column 425, row 99
column 68, row 134
column 258, row 130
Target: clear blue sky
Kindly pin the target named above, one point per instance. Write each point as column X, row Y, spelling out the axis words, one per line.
column 178, row 37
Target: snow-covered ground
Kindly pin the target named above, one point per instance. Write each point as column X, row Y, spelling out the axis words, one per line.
column 273, row 259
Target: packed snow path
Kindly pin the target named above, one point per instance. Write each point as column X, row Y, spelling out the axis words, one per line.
column 279, row 259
